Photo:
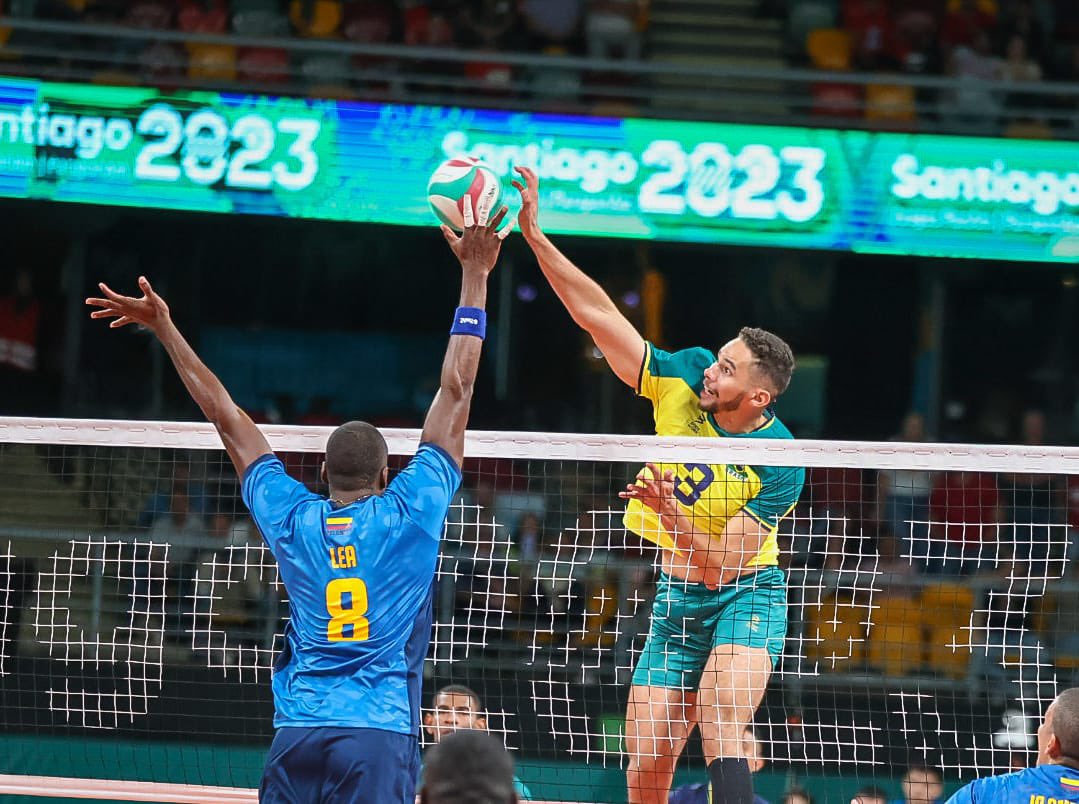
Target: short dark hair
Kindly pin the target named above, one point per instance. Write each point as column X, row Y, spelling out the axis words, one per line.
column 926, row 769
column 468, row 767
column 1066, row 722
column 355, row 456
column 772, row 356
column 460, row 689
column 871, row 791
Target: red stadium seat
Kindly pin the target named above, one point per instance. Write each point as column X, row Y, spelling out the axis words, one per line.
column 263, row 64
column 200, row 16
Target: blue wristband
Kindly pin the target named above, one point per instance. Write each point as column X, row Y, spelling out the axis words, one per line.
column 469, row 321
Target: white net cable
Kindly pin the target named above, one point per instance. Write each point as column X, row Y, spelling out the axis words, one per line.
column 140, row 612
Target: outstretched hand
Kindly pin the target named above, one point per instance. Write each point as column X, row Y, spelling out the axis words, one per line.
column 653, row 487
column 150, row 311
column 478, row 245
column 528, row 217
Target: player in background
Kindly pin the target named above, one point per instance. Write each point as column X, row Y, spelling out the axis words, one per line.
column 1055, row 779
column 469, row 767
column 359, row 566
column 456, row 708
column 720, row 613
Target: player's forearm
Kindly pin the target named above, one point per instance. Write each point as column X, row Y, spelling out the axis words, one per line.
column 703, row 551
column 203, row 385
column 462, row 361
column 588, row 303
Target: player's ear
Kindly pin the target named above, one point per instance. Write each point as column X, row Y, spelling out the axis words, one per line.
column 481, row 723
column 761, row 397
column 429, row 723
column 322, row 474
column 1052, row 748
column 384, row 478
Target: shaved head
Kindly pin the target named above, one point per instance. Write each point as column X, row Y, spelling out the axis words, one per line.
column 1058, row 736
column 355, row 457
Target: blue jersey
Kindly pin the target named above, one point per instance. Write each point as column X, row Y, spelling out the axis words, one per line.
column 360, row 581
column 1045, row 784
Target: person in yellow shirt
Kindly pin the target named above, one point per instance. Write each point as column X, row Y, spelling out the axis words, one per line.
column 719, row 617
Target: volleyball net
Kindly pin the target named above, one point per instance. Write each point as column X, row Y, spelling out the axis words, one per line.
column 932, row 607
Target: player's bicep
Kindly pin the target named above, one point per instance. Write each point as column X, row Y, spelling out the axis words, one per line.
column 622, row 346
column 242, row 438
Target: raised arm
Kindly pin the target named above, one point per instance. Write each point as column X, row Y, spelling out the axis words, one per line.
column 588, row 304
column 720, row 560
column 477, row 250
column 243, row 440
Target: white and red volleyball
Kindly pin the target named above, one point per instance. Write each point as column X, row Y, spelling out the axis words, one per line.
column 457, row 178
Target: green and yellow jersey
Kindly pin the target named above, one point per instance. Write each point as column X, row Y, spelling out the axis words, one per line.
column 710, row 494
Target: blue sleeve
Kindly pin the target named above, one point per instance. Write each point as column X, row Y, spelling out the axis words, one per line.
column 780, row 489
column 423, row 489
column 965, row 795
column 271, row 496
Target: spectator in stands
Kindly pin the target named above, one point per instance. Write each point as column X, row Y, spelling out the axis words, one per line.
column 20, row 333
column 551, row 22
column 903, row 499
column 965, row 20
column 456, row 708
column 487, row 29
column 1021, row 20
column 611, row 29
column 965, row 517
column 872, row 34
column 838, row 500
column 870, row 795
column 182, row 528
column 468, row 766
column 528, row 537
column 922, row 785
column 974, row 104
column 1018, row 66
column 1033, row 510
column 698, row 793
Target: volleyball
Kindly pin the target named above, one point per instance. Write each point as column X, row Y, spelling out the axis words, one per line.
column 458, row 178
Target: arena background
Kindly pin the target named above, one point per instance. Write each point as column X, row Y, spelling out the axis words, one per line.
column 957, row 302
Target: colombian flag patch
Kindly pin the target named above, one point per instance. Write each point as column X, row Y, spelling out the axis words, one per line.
column 337, row 524
column 1069, row 784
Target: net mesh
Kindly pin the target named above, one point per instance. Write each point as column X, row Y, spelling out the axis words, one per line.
column 931, row 606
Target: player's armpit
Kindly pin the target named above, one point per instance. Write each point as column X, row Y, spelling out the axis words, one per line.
column 242, row 438
column 622, row 346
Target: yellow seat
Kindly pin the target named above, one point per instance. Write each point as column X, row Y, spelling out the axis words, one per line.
column 947, row 601
column 829, row 49
column 325, row 18
column 835, row 633
column 890, row 102
column 895, row 635
column 1028, row 130
column 216, row 62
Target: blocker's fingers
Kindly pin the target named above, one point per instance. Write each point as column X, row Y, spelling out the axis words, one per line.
column 496, row 221
column 504, row 232
column 466, row 212
column 119, row 322
column 146, row 287
column 520, row 187
column 483, row 210
column 108, row 313
column 98, row 302
column 449, row 234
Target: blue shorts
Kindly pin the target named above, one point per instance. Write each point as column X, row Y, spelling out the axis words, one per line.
column 329, row 765
column 689, row 620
